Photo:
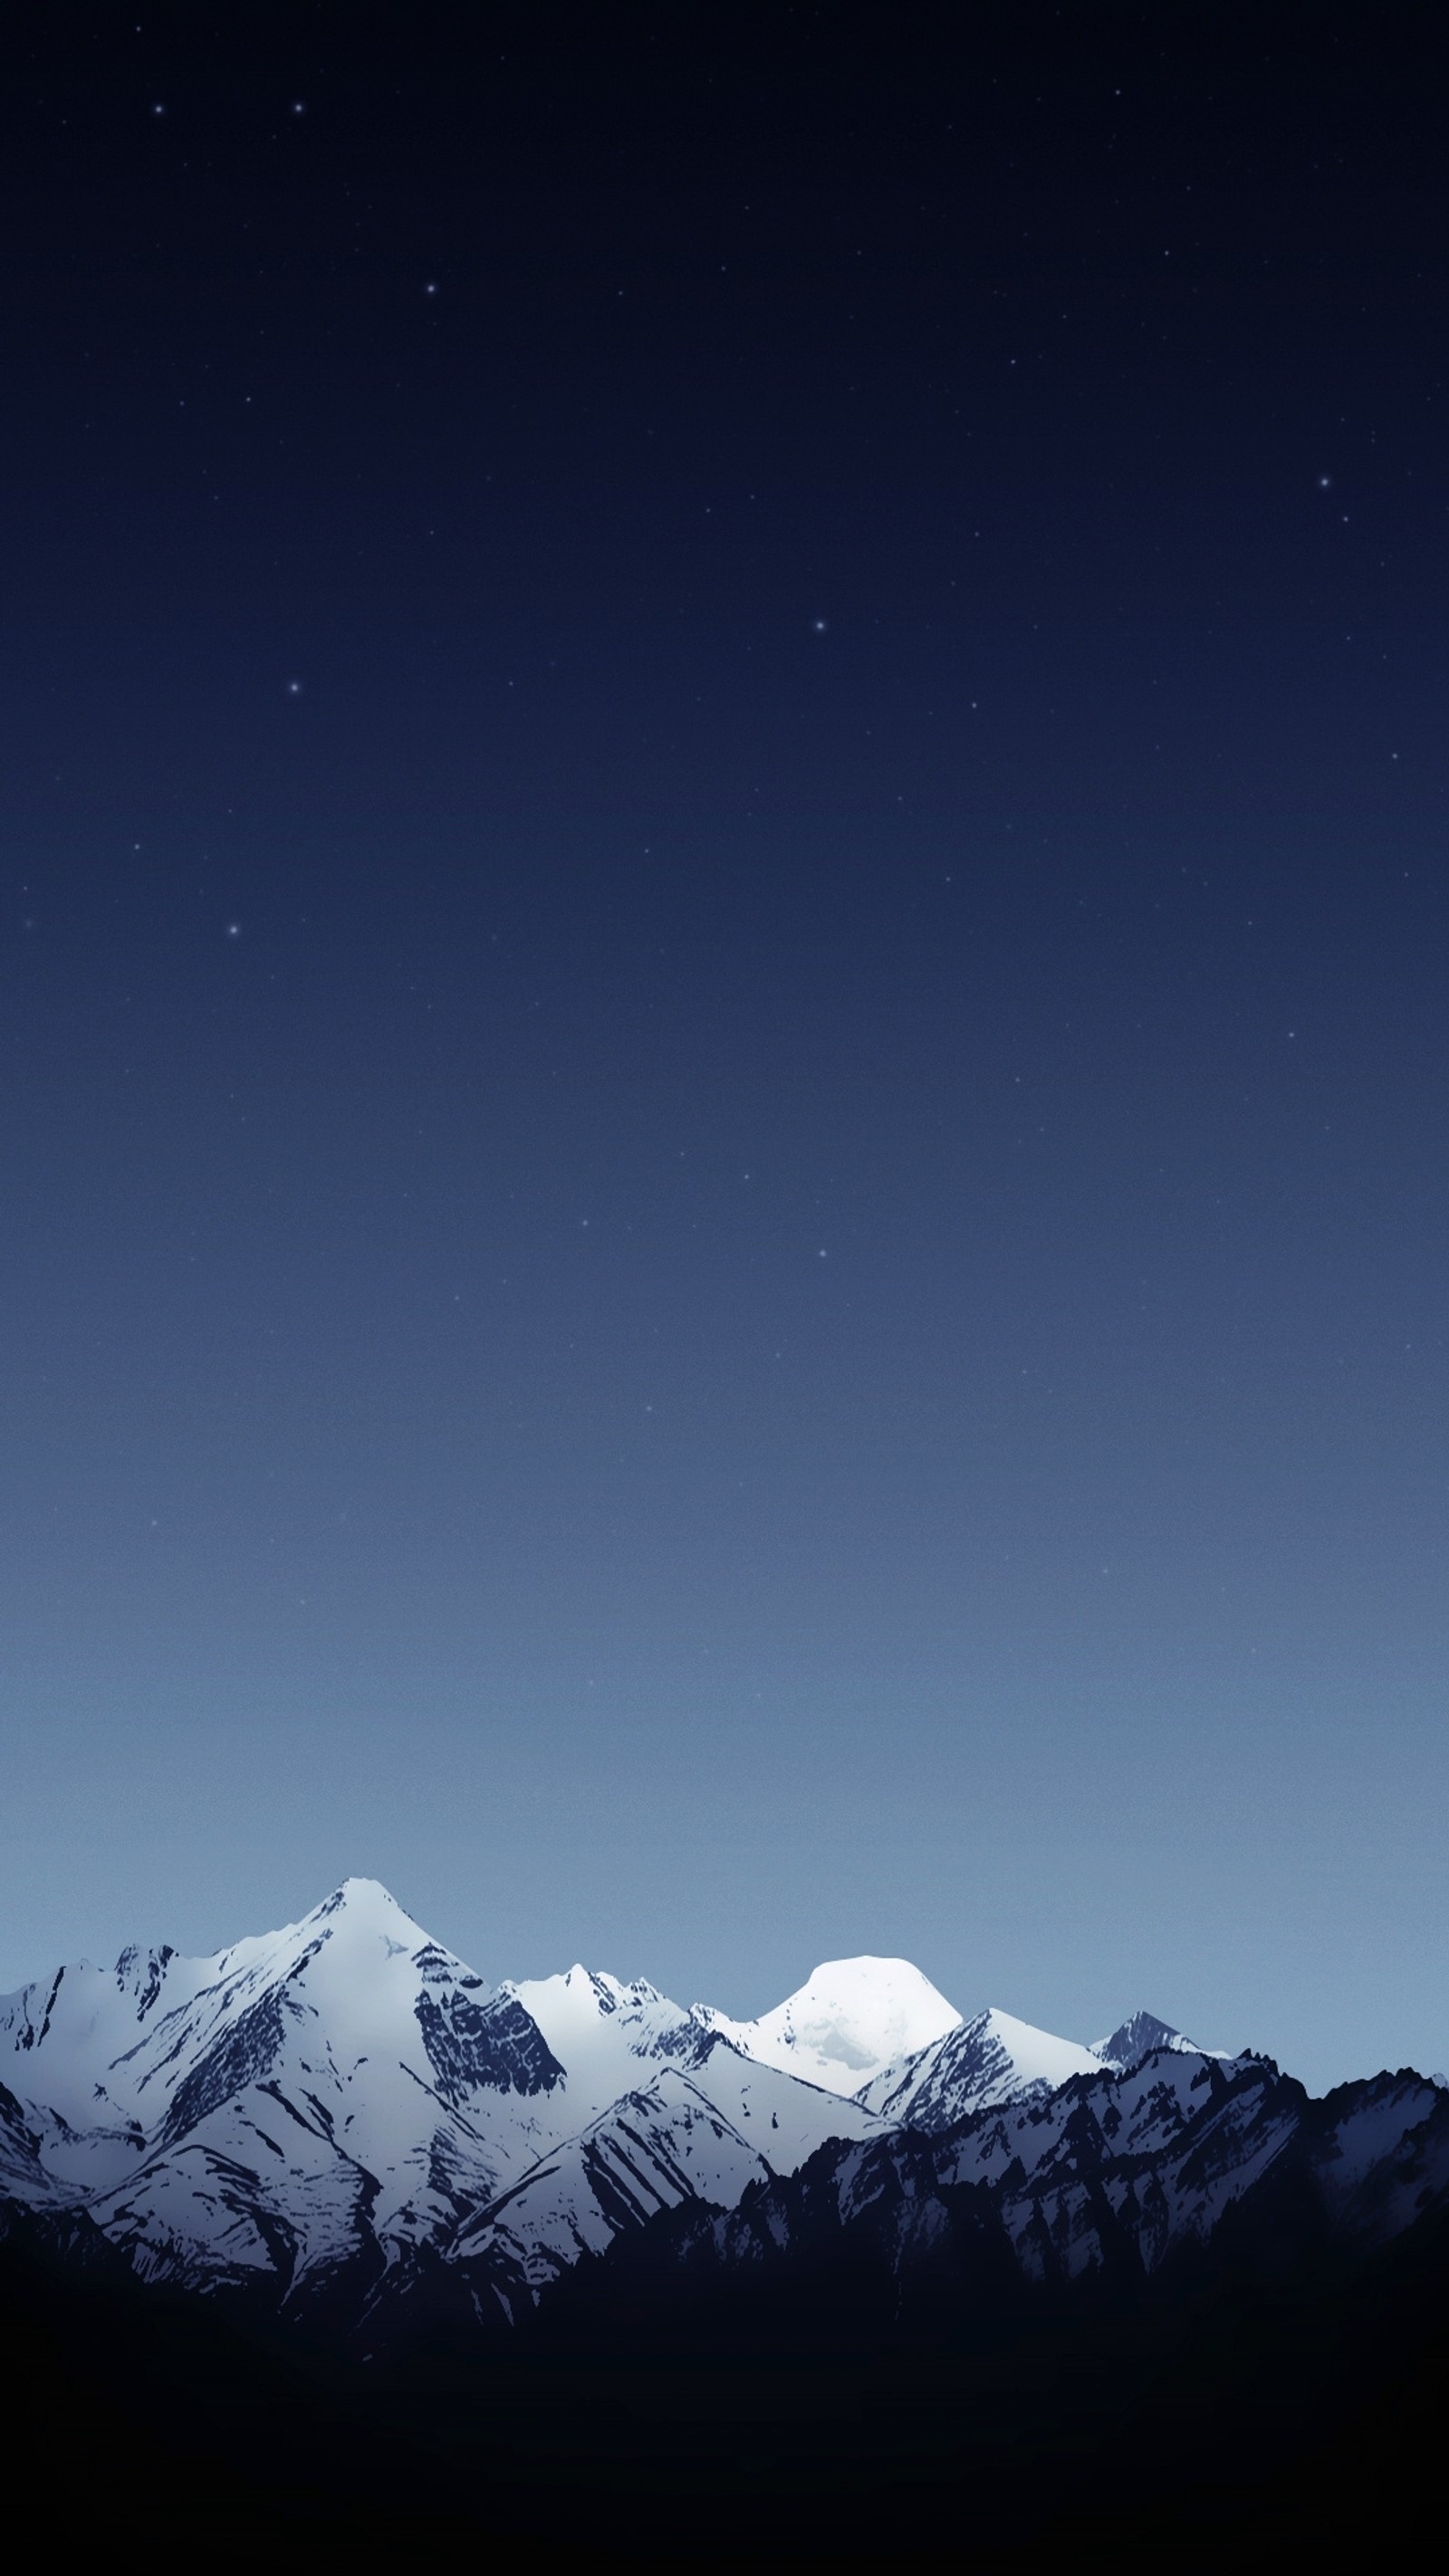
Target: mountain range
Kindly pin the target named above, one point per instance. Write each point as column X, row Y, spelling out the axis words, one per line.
column 317, row 2121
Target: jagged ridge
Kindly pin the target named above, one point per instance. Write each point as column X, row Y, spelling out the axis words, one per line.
column 333, row 2112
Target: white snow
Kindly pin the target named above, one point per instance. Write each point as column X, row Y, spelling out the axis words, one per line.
column 851, row 2019
column 601, row 2032
column 993, row 2058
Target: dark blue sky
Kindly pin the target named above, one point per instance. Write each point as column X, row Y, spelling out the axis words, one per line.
column 723, row 960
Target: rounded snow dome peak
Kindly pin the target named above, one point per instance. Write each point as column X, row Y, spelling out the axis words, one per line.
column 869, row 1969
column 851, row 2018
column 890, row 1996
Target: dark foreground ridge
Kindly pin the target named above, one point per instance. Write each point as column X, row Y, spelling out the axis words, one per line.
column 1262, row 2387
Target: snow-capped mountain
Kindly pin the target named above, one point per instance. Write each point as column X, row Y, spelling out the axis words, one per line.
column 340, row 2085
column 846, row 2025
column 321, row 2114
column 327, row 2097
column 993, row 2058
column 1139, row 2035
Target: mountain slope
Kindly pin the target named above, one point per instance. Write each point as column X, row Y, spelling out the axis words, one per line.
column 1112, row 2174
column 993, row 2058
column 704, row 2135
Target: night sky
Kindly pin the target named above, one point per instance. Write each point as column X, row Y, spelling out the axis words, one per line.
column 723, row 919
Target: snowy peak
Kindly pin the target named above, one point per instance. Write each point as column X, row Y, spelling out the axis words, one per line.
column 600, row 2031
column 992, row 2059
column 850, row 2020
column 354, row 1995
column 1142, row 2036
